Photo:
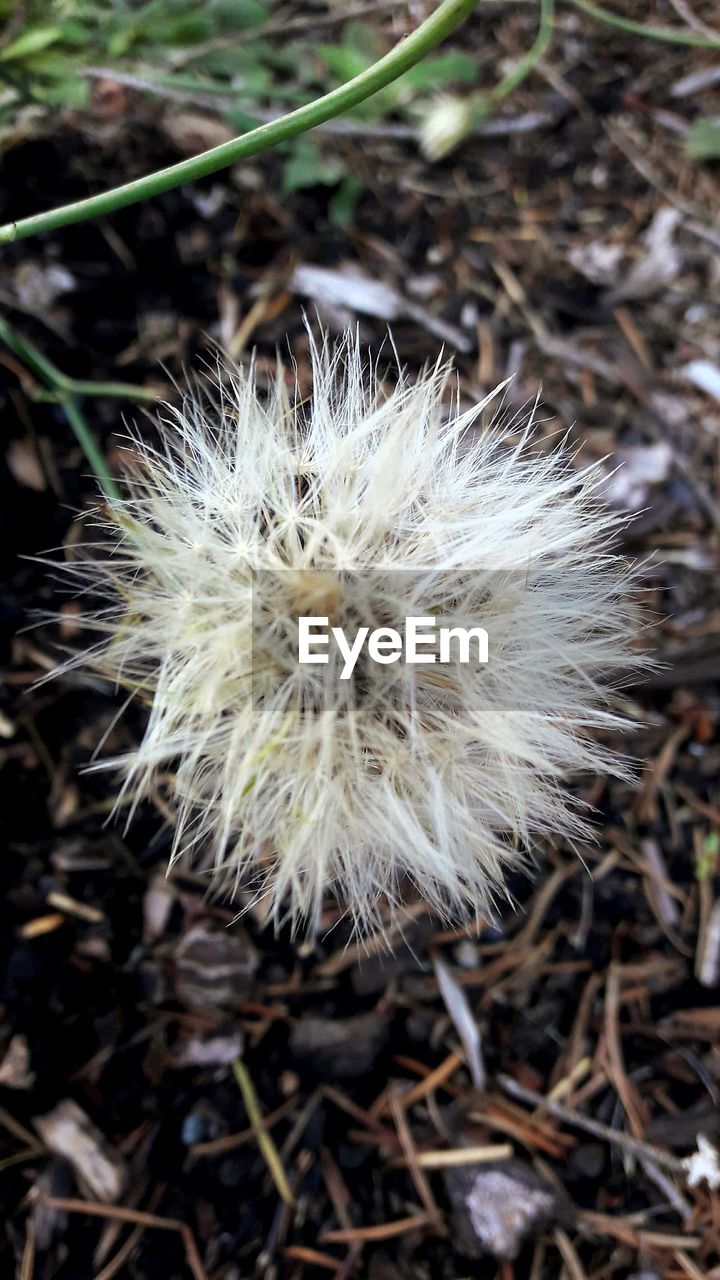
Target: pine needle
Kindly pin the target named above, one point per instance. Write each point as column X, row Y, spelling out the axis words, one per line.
column 264, row 1139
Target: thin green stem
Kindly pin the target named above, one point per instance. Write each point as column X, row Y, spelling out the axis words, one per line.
column 107, row 390
column 530, row 60
column 30, row 355
column 58, row 381
column 66, row 392
column 692, row 39
column 264, row 1138
column 90, row 447
column 406, row 54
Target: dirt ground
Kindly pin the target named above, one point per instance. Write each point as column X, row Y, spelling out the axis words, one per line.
column 569, row 241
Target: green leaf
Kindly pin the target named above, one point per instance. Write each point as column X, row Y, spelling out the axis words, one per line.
column 120, row 41
column 442, row 72
column 343, row 61
column 76, row 33
column 73, row 91
column 177, row 32
column 256, row 82
column 362, row 36
column 241, row 121
column 30, row 42
column 307, row 167
column 237, row 15
column 703, row 140
column 233, row 64
column 51, row 64
column 344, row 203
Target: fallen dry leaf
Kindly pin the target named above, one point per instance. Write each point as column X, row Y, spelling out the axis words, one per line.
column 640, row 468
column 70, row 1133
column 659, row 265
column 15, row 1069
column 705, row 375
column 597, row 261
column 191, row 132
column 23, row 462
column 497, row 1208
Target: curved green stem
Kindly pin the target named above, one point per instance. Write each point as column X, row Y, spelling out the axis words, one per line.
column 105, row 390
column 406, row 54
column 530, row 60
column 90, row 447
column 66, row 392
column 59, row 381
column 692, row 39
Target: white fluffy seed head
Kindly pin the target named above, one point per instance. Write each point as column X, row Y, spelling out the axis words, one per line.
column 447, row 122
column 256, row 510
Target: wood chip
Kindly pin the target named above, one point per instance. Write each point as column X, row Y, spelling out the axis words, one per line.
column 70, row 1133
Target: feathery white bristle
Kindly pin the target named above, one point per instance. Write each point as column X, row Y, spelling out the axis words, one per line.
column 301, row 783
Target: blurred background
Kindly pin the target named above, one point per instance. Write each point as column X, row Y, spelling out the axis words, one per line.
column 566, row 232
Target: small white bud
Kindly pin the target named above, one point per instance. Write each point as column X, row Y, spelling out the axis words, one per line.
column 447, row 122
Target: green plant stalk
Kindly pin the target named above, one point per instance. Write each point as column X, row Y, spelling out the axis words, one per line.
column 692, row 39
column 537, row 50
column 411, row 50
column 59, row 381
column 90, row 448
column 262, row 1134
column 105, row 390
column 67, row 391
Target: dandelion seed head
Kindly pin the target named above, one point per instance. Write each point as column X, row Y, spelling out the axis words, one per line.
column 448, row 120
column 363, row 504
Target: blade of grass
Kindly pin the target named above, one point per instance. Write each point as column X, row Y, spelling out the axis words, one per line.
column 264, row 1139
column 90, row 447
column 537, row 50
